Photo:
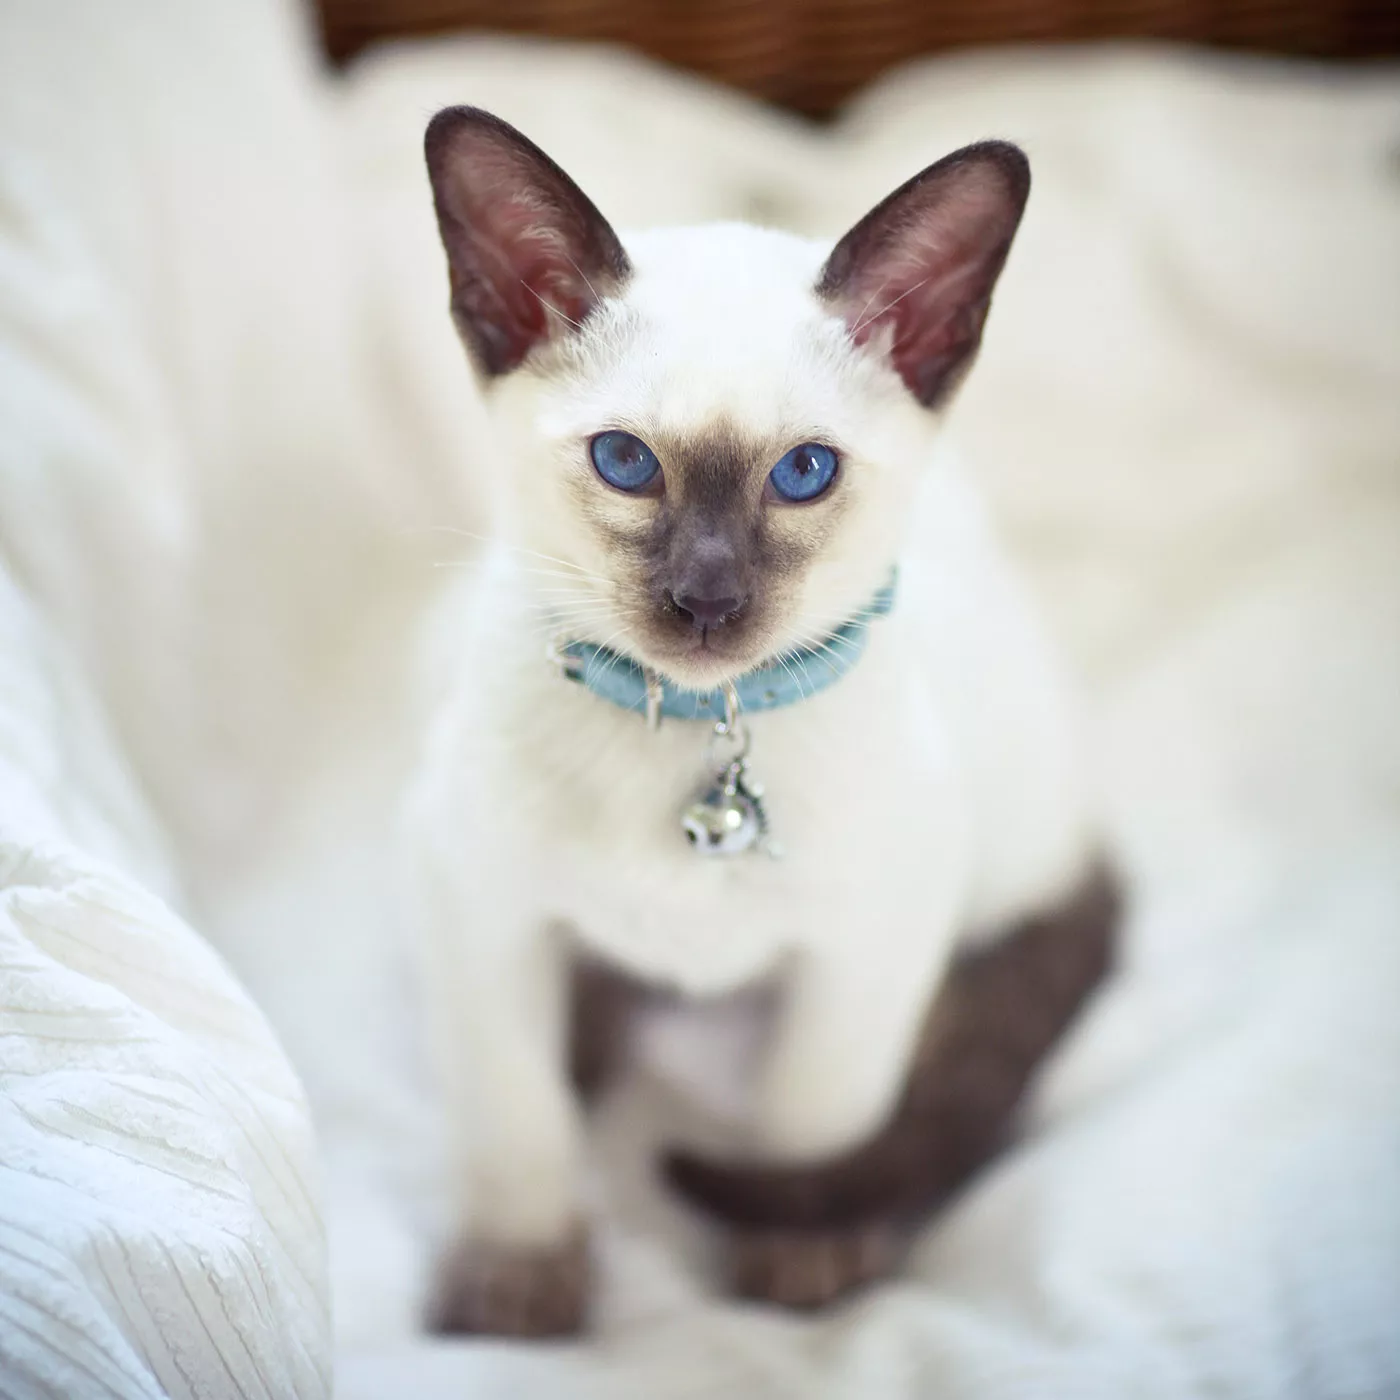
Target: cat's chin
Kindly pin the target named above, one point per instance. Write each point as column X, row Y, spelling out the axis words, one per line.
column 704, row 667
column 704, row 670
column 695, row 661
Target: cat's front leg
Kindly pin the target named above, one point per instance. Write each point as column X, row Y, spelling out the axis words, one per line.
column 806, row 1232
column 841, row 1053
column 517, row 1261
column 848, row 1022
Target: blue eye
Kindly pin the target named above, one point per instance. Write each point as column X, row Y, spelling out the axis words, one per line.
column 805, row 472
column 623, row 461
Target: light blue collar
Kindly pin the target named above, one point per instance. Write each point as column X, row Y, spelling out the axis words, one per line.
column 801, row 674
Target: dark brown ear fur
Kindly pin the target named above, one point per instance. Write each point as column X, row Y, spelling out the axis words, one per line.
column 915, row 275
column 528, row 254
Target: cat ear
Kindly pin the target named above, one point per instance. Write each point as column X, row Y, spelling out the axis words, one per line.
column 528, row 254
column 915, row 275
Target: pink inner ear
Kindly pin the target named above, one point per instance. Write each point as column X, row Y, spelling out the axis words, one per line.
column 915, row 277
column 929, row 320
column 532, row 261
column 528, row 253
column 512, row 265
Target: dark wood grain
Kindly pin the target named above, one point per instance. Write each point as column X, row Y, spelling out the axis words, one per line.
column 811, row 55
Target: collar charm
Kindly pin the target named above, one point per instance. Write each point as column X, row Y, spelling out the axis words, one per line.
column 727, row 816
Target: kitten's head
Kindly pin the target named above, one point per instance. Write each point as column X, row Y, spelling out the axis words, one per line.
column 716, row 431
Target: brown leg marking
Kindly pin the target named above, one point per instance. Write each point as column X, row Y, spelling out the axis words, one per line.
column 489, row 1290
column 484, row 1289
column 998, row 1015
column 600, row 1019
column 808, row 1269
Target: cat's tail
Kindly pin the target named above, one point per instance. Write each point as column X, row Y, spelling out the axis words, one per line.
column 1002, row 1009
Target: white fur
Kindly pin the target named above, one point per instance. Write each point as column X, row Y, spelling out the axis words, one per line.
column 932, row 794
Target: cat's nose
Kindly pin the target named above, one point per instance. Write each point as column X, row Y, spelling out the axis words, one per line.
column 705, row 611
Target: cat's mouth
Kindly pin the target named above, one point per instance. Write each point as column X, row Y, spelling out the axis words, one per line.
column 702, row 654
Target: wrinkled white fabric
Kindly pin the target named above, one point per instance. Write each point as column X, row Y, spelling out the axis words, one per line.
column 234, row 418
column 160, row 1215
column 160, row 1227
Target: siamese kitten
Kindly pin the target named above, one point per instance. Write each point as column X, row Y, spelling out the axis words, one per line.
column 716, row 446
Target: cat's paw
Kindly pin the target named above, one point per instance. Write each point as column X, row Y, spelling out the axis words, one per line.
column 493, row 1290
column 809, row 1269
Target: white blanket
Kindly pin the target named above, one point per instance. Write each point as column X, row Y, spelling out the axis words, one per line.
column 231, row 413
column 160, row 1229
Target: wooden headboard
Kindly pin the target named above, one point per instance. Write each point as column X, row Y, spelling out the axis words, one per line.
column 809, row 55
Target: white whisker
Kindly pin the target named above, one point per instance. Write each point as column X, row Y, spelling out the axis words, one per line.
column 584, row 275
column 549, row 306
column 908, row 291
column 785, row 659
column 868, row 301
column 507, row 544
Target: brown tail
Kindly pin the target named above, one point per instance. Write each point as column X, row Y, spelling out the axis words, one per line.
column 1000, row 1012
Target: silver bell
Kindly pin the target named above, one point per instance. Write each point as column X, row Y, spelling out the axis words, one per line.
column 724, row 822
